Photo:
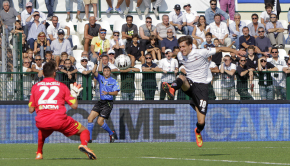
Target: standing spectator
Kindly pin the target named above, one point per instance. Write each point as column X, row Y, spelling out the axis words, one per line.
column 149, row 79
column 228, row 71
column 26, row 13
column 167, row 64
column 112, row 56
column 63, row 57
column 266, row 88
column 169, row 42
column 220, row 30
column 263, row 43
column 275, row 5
column 210, row 12
column 127, row 83
column 153, row 49
column 128, row 30
column 176, row 19
column 265, row 16
column 230, row 5
column 69, row 73
column 243, row 74
column 134, row 51
column 154, row 9
column 68, row 10
column 275, row 32
column 163, row 27
column 95, row 9
column 246, row 40
column 35, row 28
column 117, row 8
column 41, row 45
column 116, row 44
column 145, row 31
column 255, row 25
column 236, row 28
column 49, row 5
column 214, row 70
column 190, row 17
column 208, row 41
column 30, row 57
column 105, row 62
column 37, row 67
column 200, row 30
column 92, row 29
column 26, row 79
column 99, row 46
column 252, row 60
column 217, row 57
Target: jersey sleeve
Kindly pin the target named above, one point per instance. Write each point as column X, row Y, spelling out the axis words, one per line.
column 32, row 98
column 68, row 97
column 116, row 86
column 99, row 78
column 208, row 52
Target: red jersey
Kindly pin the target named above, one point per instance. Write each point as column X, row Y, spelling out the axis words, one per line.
column 48, row 98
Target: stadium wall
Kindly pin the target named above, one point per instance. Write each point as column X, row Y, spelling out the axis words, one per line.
column 160, row 122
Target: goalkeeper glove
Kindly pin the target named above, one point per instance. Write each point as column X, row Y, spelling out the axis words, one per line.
column 75, row 89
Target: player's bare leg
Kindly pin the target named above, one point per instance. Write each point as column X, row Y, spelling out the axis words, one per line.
column 91, row 118
column 199, row 127
column 85, row 137
column 42, row 135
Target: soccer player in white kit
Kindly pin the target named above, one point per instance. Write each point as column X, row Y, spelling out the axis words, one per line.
column 195, row 84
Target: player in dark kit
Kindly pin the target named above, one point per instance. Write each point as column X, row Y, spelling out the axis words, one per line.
column 195, row 84
column 47, row 99
column 109, row 87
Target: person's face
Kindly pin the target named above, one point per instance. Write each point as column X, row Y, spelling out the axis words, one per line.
column 17, row 25
column 6, row 6
column 263, row 62
column 61, row 36
column 168, row 55
column 243, row 61
column 217, row 19
column 54, row 21
column 288, row 62
column 148, row 58
column 274, row 53
column 184, row 48
column 250, row 51
column 273, row 18
column 246, row 31
column 105, row 61
column 103, row 34
column 107, row 73
column 116, row 35
column 36, row 16
column 29, row 9
column 84, row 62
column 30, row 54
column 129, row 20
column 26, row 63
column 111, row 56
column 165, row 20
column 148, row 22
column 41, row 37
column 169, row 33
column 135, row 40
column 208, row 38
column 213, row 5
column 269, row 10
column 216, row 43
column 227, row 61
column 237, row 18
column 187, row 7
column 48, row 57
column 177, row 11
column 261, row 32
column 67, row 64
column 38, row 60
column 176, row 51
column 92, row 20
column 152, row 42
column 254, row 19
column 64, row 57
column 201, row 20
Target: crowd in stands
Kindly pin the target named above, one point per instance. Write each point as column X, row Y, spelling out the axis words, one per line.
column 155, row 46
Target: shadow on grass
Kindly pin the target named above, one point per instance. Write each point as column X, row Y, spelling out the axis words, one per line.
column 68, row 159
column 214, row 154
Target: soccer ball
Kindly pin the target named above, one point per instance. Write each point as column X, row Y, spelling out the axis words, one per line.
column 123, row 62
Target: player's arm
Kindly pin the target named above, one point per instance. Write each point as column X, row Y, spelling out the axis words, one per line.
column 243, row 73
column 31, row 109
column 94, row 71
column 75, row 104
column 215, row 69
column 226, row 49
column 115, row 93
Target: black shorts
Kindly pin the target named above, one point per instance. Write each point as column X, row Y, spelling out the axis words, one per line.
column 104, row 108
column 198, row 92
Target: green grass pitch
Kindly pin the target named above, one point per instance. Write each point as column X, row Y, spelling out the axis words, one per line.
column 147, row 154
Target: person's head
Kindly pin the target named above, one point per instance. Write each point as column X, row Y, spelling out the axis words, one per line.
column 111, row 54
column 246, row 31
column 175, row 50
column 107, row 71
column 187, row 6
column 251, row 50
column 84, row 61
column 213, row 4
column 41, row 38
column 29, row 7
column 116, row 34
column 85, row 53
column 36, row 16
column 273, row 18
column 54, row 20
column 18, row 24
column 169, row 33
column 237, row 17
column 148, row 21
column 148, row 58
column 103, row 33
column 208, row 37
column 165, row 19
column 92, row 20
column 64, row 56
column 48, row 56
column 261, row 31
column 38, row 59
column 227, row 60
column 168, row 53
column 185, row 44
column 26, row 62
column 49, row 69
column 274, row 52
column 67, row 63
column 201, row 20
column 217, row 18
column 255, row 18
column 268, row 7
column 153, row 39
column 242, row 61
column 263, row 61
column 29, row 53
column 177, row 9
column 129, row 19
column 216, row 42
column 105, row 60
column 135, row 38
column 6, row 5
column 60, row 34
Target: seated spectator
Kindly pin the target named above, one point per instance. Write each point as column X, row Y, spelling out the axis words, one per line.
column 266, row 88
column 167, row 64
column 243, row 74
column 25, row 45
column 92, row 29
column 68, row 10
column 149, row 79
column 275, row 32
column 112, row 56
column 214, row 70
column 26, row 65
column 61, row 45
column 116, row 44
column 162, row 28
column 230, row 5
column 200, row 30
column 94, row 3
column 26, row 79
column 48, row 57
column 41, row 44
column 134, row 51
column 263, row 43
column 176, row 19
column 49, row 5
column 288, row 38
column 235, row 59
column 105, row 62
column 99, row 46
column 153, row 49
column 35, row 28
column 145, row 31
column 246, row 40
column 63, row 57
column 252, row 60
column 128, row 83
column 169, row 42
column 255, row 25
column 69, row 73
column 236, row 28
column 128, row 30
column 29, row 53
column 190, row 17
column 210, row 12
column 117, row 8
column 217, row 57
column 227, row 70
column 37, row 67
column 208, row 41
column 220, row 30
column 175, row 52
column 265, row 16
column 18, row 28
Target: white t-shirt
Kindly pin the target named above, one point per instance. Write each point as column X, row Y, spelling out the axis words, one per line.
column 176, row 19
column 81, row 68
column 200, row 34
column 196, row 64
column 169, row 66
column 112, row 43
column 220, row 31
column 111, row 66
column 228, row 80
column 189, row 17
column 211, row 65
column 265, row 16
column 279, row 79
column 51, row 30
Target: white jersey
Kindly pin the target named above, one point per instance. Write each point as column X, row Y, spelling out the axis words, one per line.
column 196, row 64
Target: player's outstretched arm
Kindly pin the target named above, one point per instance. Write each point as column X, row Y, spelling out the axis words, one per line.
column 94, row 71
column 226, row 49
column 31, row 109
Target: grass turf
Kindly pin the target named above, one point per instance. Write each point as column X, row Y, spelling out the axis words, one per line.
column 170, row 153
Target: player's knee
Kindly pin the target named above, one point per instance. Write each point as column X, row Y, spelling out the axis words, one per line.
column 90, row 120
column 200, row 126
column 182, row 77
column 100, row 121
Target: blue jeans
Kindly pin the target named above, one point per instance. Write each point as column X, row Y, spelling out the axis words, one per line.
column 266, row 92
column 190, row 30
column 184, row 29
column 79, row 8
column 31, row 43
column 237, row 41
column 22, row 3
column 49, row 5
column 281, row 92
column 128, row 96
column 7, row 32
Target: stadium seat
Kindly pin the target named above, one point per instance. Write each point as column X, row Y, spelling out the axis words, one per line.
column 118, row 25
column 284, row 24
column 77, row 55
column 81, row 27
column 106, row 25
column 76, row 41
column 282, row 54
column 247, row 21
column 71, row 26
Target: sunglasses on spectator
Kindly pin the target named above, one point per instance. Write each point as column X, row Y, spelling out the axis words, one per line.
column 275, row 52
column 263, row 60
column 37, row 59
column 84, row 61
column 111, row 54
column 226, row 60
column 116, row 35
column 148, row 58
column 36, row 15
column 242, row 60
column 288, row 63
column 103, row 32
column 148, row 21
column 169, row 32
column 254, row 18
column 213, row 3
column 41, row 36
column 273, row 17
column 261, row 31
column 186, row 5
column 177, row 9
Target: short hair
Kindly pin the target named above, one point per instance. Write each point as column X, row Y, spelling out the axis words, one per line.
column 242, row 57
column 49, row 69
column 106, row 67
column 105, row 56
column 217, row 15
column 165, row 15
column 227, row 56
column 29, row 49
column 19, row 21
column 68, row 60
column 148, row 18
column 275, row 48
column 129, row 16
column 273, row 14
column 135, row 35
column 237, row 14
column 149, row 54
column 216, row 39
column 255, row 15
column 251, row 47
column 261, row 28
column 175, row 47
column 212, row 1
column 63, row 53
column 153, row 37
column 37, row 55
column 208, row 34
column 54, row 17
column 267, row 5
column 6, row 2
column 245, row 27
column 188, row 40
column 48, row 53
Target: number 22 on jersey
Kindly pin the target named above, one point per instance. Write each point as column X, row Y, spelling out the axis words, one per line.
column 46, row 90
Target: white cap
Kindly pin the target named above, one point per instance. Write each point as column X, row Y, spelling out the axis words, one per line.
column 111, row 52
column 168, row 50
column 84, row 57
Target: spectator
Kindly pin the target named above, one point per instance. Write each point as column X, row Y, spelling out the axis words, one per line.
column 243, row 74
column 99, row 46
column 63, row 57
column 175, row 52
column 288, row 39
column 154, row 9
column 275, row 5
column 214, row 70
column 163, row 27
column 127, row 83
column 145, row 31
column 128, row 30
column 190, row 17
column 48, row 57
column 18, row 28
column 266, row 88
column 118, row 9
column 263, row 43
column 167, row 64
column 68, row 10
column 169, row 42
column 116, row 43
column 220, row 30
column 246, row 40
column 176, row 19
column 69, row 73
column 289, row 17
column 49, row 5
column 26, row 65
column 134, row 51
column 92, row 29
column 8, row 16
column 255, row 25
column 30, row 56
column 153, row 49
column 200, row 30
column 149, row 79
column 227, row 70
column 95, row 9
column 236, row 28
column 252, row 60
column 37, row 67
column 210, row 12
column 35, row 28
column 208, row 41
column 112, row 56
column 26, row 79
column 21, row 4
column 61, row 45
column 235, row 59
column 105, row 62
column 217, row 57
column 230, row 5
column 41, row 45
column 28, row 12
column 275, row 32
column 265, row 16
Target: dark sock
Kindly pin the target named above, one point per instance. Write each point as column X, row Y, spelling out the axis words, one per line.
column 176, row 84
column 199, row 127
